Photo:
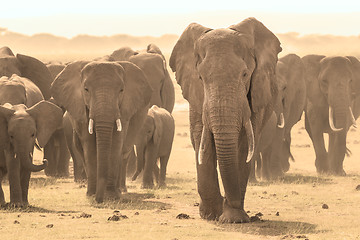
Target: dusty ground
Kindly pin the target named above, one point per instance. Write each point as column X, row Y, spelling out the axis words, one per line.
column 291, row 208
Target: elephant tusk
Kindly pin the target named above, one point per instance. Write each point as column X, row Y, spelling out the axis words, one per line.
column 118, row 125
column 91, row 126
column 282, row 121
column 201, row 147
column 31, row 155
column 331, row 121
column 352, row 118
column 15, row 156
column 251, row 141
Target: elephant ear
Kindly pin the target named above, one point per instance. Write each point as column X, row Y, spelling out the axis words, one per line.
column 152, row 48
column 48, row 118
column 6, row 51
column 157, row 124
column 312, row 71
column 355, row 67
column 137, row 90
column 37, row 72
column 183, row 63
column 6, row 111
column 266, row 47
column 66, row 90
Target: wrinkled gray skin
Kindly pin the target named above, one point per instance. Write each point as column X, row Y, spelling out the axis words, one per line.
column 154, row 142
column 228, row 78
column 20, row 124
column 107, row 104
column 56, row 151
column 290, row 103
column 331, row 82
column 152, row 62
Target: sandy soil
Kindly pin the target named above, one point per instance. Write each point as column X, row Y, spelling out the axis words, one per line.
column 291, row 208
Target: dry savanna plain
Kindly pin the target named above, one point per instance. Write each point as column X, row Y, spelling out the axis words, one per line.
column 293, row 207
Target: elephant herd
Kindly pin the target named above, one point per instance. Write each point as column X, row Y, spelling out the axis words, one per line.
column 113, row 116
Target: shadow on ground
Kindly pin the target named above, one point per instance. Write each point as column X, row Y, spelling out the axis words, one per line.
column 296, row 179
column 132, row 201
column 11, row 208
column 270, row 228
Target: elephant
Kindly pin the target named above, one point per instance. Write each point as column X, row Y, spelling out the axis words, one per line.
column 24, row 117
column 153, row 64
column 56, row 151
column 154, row 142
column 107, row 103
column 228, row 78
column 332, row 84
column 289, row 107
column 28, row 67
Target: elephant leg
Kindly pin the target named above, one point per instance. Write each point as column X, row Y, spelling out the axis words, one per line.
column 112, row 188
column 336, row 153
column 163, row 165
column 211, row 201
column 89, row 148
column 63, row 155
column 25, row 179
column 14, row 179
column 77, row 154
column 275, row 165
column 313, row 127
column 150, row 161
column 49, row 155
column 265, row 161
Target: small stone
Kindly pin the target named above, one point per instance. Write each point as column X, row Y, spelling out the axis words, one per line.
column 358, row 187
column 277, row 214
column 85, row 215
column 325, row 206
column 254, row 219
column 183, row 216
column 264, row 192
column 50, row 225
column 259, row 214
column 16, row 222
column 196, row 204
column 136, row 213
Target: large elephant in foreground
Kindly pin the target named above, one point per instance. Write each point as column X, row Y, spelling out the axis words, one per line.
column 290, row 104
column 228, row 78
column 107, row 103
column 332, row 84
column 24, row 117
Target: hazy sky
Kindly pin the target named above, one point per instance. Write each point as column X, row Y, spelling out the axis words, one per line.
column 157, row 17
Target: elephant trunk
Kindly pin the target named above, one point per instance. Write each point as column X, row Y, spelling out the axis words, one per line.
column 104, row 132
column 26, row 162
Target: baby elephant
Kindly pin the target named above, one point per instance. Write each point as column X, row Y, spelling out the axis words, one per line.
column 154, row 141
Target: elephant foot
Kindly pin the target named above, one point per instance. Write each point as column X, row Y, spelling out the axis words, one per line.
column 123, row 189
column 233, row 215
column 113, row 195
column 253, row 179
column 339, row 172
column 146, row 185
column 211, row 210
column 162, row 185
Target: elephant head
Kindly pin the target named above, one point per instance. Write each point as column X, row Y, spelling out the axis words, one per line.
column 228, row 77
column 23, row 125
column 102, row 96
column 336, row 78
column 25, row 66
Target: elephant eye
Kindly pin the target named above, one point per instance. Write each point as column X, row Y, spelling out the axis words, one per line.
column 121, row 90
column 86, row 89
column 11, row 136
column 33, row 135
